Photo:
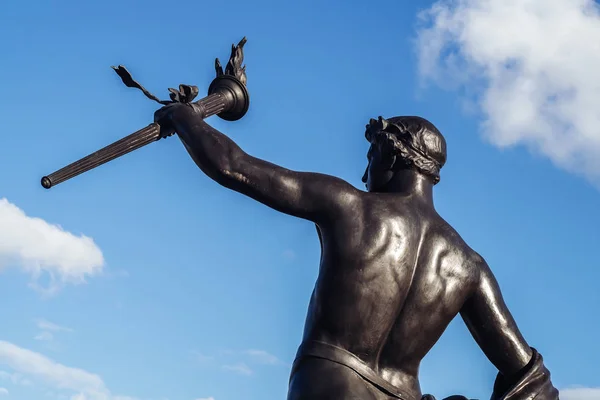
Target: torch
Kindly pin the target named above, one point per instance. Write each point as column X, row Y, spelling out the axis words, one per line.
column 227, row 98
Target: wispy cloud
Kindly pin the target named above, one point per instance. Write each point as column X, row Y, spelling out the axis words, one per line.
column 50, row 326
column 239, row 368
column 532, row 68
column 83, row 396
column 206, row 398
column 39, row 248
column 202, row 358
column 3, row 391
column 14, row 378
column 262, row 357
column 240, row 362
column 580, row 393
column 44, row 336
column 80, row 384
column 47, row 333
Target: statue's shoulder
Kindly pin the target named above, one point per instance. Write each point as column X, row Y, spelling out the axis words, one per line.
column 460, row 258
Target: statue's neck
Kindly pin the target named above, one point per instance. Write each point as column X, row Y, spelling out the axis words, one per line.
column 412, row 184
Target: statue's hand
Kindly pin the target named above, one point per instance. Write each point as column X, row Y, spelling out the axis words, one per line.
column 175, row 117
column 167, row 117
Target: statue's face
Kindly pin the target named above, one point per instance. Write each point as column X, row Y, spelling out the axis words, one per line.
column 379, row 170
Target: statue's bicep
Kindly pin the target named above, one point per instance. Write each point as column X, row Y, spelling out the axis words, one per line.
column 305, row 195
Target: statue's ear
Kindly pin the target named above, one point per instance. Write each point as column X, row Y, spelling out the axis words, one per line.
column 389, row 162
column 388, row 156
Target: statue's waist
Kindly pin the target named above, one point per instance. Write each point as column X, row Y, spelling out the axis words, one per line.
column 317, row 349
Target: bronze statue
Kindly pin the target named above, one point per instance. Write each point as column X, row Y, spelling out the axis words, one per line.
column 393, row 273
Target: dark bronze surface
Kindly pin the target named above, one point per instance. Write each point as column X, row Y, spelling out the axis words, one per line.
column 227, row 97
column 393, row 272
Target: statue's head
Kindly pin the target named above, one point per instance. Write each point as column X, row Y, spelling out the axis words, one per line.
column 403, row 143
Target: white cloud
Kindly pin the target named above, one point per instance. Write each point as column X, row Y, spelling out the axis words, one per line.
column 39, row 247
column 82, row 384
column 533, row 66
column 3, row 391
column 50, row 326
column 48, row 331
column 15, row 378
column 239, row 368
column 44, row 336
column 580, row 393
column 83, row 396
column 262, row 356
column 253, row 356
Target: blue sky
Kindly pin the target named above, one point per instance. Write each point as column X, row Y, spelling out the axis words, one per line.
column 195, row 292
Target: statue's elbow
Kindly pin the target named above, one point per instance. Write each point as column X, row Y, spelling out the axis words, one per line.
column 232, row 171
column 233, row 178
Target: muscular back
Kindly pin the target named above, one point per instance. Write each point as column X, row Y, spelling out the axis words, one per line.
column 392, row 276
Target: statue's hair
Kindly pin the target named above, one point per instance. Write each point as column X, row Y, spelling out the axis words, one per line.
column 416, row 141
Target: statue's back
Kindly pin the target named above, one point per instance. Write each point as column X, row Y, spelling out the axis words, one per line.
column 393, row 275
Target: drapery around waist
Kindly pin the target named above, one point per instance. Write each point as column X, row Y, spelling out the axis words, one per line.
column 317, row 349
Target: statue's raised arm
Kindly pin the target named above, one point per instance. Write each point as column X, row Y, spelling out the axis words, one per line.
column 312, row 196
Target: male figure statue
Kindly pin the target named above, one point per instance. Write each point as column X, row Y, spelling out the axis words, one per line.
column 393, row 273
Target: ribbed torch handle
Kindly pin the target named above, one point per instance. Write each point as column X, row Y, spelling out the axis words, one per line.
column 138, row 139
column 212, row 104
